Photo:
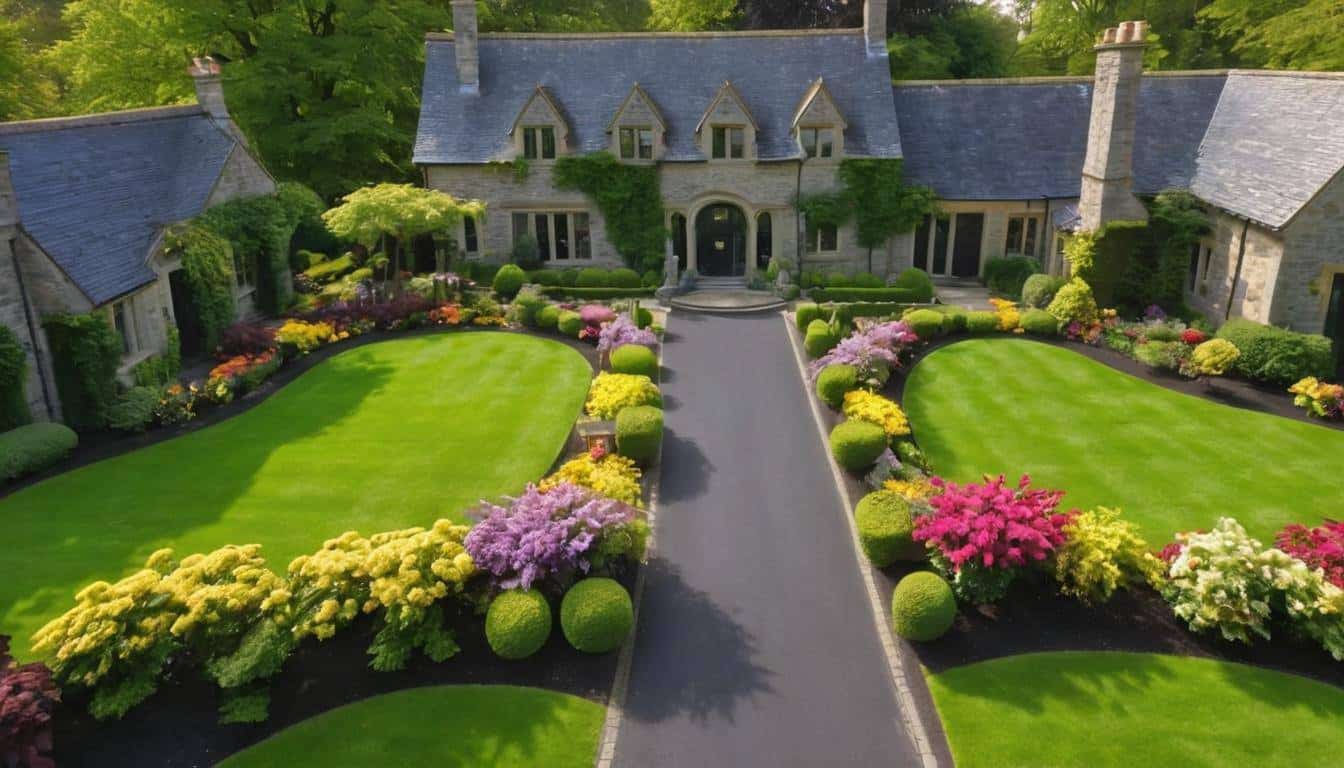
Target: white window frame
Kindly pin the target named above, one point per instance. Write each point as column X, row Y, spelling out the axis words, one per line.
column 537, row 133
column 728, row 132
column 572, row 232
column 817, row 133
column 813, row 238
column 1025, row 218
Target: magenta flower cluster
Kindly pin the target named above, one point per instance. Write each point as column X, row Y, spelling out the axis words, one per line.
column 992, row 524
column 872, row 344
column 1321, row 547
column 622, row 331
column 542, row 534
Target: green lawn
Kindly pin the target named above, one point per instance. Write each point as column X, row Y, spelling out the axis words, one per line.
column 1122, row 709
column 447, row 726
column 381, row 437
column 1170, row 461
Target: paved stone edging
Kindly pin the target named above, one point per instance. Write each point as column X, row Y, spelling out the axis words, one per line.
column 620, row 684
column 912, row 722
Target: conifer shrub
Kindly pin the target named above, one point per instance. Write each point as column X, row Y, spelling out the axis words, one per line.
column 980, row 323
column 1038, row 322
column 33, row 448
column 926, row 323
column 548, row 317
column 569, row 323
column 805, row 314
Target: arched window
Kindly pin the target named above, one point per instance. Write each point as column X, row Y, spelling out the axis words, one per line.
column 765, row 240
column 679, row 240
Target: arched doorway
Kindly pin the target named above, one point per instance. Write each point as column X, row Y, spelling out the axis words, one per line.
column 721, row 241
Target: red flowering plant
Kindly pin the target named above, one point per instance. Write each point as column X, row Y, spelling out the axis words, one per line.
column 981, row 535
column 27, row 699
column 1321, row 547
column 1194, row 337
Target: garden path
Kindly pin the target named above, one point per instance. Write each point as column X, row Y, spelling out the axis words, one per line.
column 755, row 644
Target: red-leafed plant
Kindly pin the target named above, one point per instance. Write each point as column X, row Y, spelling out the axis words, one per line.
column 28, row 697
column 1194, row 336
column 245, row 339
column 1321, row 547
column 981, row 535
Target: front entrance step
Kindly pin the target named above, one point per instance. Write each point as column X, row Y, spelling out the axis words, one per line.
column 728, row 301
column 721, row 284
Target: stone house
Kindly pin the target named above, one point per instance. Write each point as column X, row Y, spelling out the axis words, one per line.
column 84, row 203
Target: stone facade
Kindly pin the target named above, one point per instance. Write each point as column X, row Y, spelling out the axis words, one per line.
column 1313, row 256
column 1108, row 169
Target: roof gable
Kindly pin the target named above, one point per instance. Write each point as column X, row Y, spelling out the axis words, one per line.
column 540, row 109
column 727, row 104
column 818, row 107
column 636, row 105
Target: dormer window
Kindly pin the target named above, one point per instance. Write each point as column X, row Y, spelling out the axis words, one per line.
column 817, row 142
column 729, row 143
column 539, row 142
column 540, row 132
column 637, row 143
column 727, row 130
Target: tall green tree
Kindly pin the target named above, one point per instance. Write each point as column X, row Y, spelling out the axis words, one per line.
column 691, row 15
column 399, row 211
column 25, row 90
column 972, row 41
column 1287, row 34
column 563, row 15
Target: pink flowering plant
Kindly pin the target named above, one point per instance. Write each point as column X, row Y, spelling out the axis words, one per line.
column 981, row 535
column 551, row 536
column 594, row 316
column 1321, row 547
column 622, row 331
column 874, row 348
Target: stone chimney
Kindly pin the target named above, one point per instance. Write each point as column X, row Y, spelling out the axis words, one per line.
column 465, row 41
column 206, row 76
column 875, row 26
column 1108, row 170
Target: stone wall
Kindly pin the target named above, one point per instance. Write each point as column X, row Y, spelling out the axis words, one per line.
column 1313, row 255
column 1252, row 296
column 243, row 176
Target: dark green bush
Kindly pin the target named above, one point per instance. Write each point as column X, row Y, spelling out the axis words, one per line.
column 868, row 280
column 518, row 623
column 592, row 277
column 834, row 382
column 85, row 353
column 886, row 527
column 1038, row 322
column 839, row 280
column 789, row 292
column 569, row 277
column 805, row 313
column 926, row 323
column 847, row 312
column 639, row 432
column 954, row 317
column 624, row 278
column 13, row 381
column 909, row 453
column 896, row 294
column 651, row 279
column 134, row 410
column 857, row 444
column 1161, row 332
column 597, row 294
column 596, row 615
column 1039, row 290
column 569, row 323
column 548, row 317
column 1006, row 275
column 635, row 359
column 820, row 338
column 549, row 277
column 526, row 306
column 979, row 323
column 1277, row 355
column 508, row 281
column 918, row 282
column 923, row 607
column 329, row 271
column 643, row 317
column 33, row 448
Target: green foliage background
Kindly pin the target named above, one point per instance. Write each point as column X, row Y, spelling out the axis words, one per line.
column 85, row 353
column 207, row 260
column 13, row 371
column 630, row 199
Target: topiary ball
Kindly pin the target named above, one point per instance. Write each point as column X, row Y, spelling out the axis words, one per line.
column 635, row 359
column 548, row 317
column 805, row 314
column 639, row 432
column 922, row 607
column 918, row 282
column 623, row 278
column 834, row 381
column 886, row 526
column 596, row 615
column 868, row 280
column 518, row 623
column 1039, row 290
column 926, row 323
column 1038, row 322
column 509, row 280
column 569, row 324
column 820, row 338
column 643, row 318
column 980, row 323
column 857, row 444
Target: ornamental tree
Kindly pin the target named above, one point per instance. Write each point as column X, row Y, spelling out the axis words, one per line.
column 399, row 211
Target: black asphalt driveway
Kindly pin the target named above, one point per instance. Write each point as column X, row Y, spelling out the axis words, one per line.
column 756, row 645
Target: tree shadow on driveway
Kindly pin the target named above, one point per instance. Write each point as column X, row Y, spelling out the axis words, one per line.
column 685, row 469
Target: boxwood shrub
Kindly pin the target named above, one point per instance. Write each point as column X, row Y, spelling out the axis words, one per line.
column 1038, row 322
column 544, row 277
column 639, row 432
column 569, row 323
column 508, row 281
column 596, row 615
column 1006, row 275
column 820, row 338
column 1039, row 290
column 954, row 317
column 922, row 607
column 979, row 323
column 893, row 294
column 1277, row 355
column 526, row 306
column 636, row 359
column 596, row 294
column 624, row 278
column 518, row 623
column 33, row 448
column 886, row 526
column 548, row 317
column 857, row 444
column 805, row 314
column 926, row 323
column 592, row 277
column 643, row 317
column 834, row 381
column 918, row 282
column 868, row 280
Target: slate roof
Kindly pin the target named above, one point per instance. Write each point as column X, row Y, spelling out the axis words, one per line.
column 1022, row 140
column 1275, row 140
column 95, row 192
column 590, row 76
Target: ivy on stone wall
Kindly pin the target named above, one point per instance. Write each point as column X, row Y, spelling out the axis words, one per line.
column 13, row 373
column 207, row 260
column 630, row 199
column 85, row 353
column 874, row 194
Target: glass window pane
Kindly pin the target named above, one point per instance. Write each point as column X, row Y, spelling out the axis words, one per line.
column 1029, row 242
column 827, row 143
column 519, row 226
column 469, row 231
column 646, row 145
column 811, row 238
column 809, row 137
column 543, row 237
column 738, row 137
column 627, row 143
column 548, row 143
column 829, row 238
column 583, row 238
column 530, row 143
column 720, row 143
column 1014, row 244
column 942, row 228
column 561, row 235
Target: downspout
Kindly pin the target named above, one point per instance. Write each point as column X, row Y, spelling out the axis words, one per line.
column 799, row 224
column 1236, row 277
column 33, row 332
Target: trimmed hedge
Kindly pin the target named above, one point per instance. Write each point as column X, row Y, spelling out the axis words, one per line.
column 596, row 615
column 917, row 281
column 569, row 323
column 639, row 432
column 636, row 359
column 548, row 317
column 805, row 314
column 820, row 338
column 922, row 607
column 847, row 312
column 857, row 444
column 897, row 295
column 527, row 305
column 834, row 382
column 13, row 381
column 1005, row 275
column 980, row 323
column 1277, row 355
column 518, row 623
column 33, row 448
column 508, row 281
column 592, row 277
column 954, row 317
column 596, row 294
column 85, row 353
column 624, row 278
column 886, row 527
column 926, row 323
column 1038, row 322
column 1039, row 290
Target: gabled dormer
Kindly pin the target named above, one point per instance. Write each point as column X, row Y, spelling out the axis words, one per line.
column 637, row 129
column 541, row 131
column 818, row 125
column 727, row 131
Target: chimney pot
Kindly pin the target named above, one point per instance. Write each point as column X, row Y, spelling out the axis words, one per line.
column 1108, row 168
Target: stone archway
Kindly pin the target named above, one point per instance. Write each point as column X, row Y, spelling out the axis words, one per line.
column 722, row 243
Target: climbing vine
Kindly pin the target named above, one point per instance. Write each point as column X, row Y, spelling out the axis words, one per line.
column 874, row 194
column 207, row 261
column 85, row 353
column 13, row 369
column 631, row 202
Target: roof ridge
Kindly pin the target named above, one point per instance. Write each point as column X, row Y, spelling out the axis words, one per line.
column 1057, row 79
column 118, row 117
column 1312, row 74
column 440, row 37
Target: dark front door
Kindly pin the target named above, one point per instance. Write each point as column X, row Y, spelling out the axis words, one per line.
column 721, row 241
column 188, row 317
column 1334, row 321
column 966, row 245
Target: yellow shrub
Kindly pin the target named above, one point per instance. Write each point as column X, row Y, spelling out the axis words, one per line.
column 912, row 490
column 862, row 405
column 610, row 392
column 613, row 476
column 1007, row 313
column 306, row 337
column 1101, row 554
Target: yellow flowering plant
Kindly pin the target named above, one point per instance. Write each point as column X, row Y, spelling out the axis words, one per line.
column 912, row 490
column 862, row 405
column 304, row 336
column 1010, row 318
column 1101, row 554
column 610, row 392
column 611, row 475
column 1322, row 400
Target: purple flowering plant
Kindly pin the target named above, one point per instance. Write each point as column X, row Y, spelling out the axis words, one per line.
column 1154, row 313
column 874, row 348
column 547, row 535
column 620, row 332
